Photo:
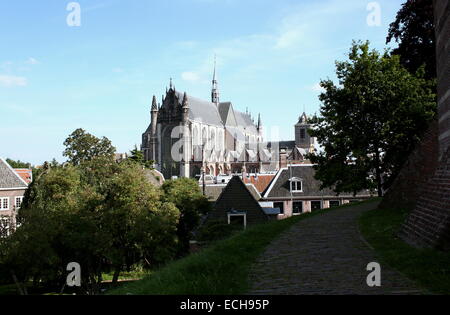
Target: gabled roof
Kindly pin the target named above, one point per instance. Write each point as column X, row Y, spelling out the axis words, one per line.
column 25, row 173
column 236, row 196
column 9, row 179
column 233, row 118
column 201, row 110
column 226, row 113
column 280, row 186
column 303, row 120
column 261, row 182
column 244, row 120
column 213, row 192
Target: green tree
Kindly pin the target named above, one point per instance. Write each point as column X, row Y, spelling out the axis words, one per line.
column 113, row 223
column 56, row 228
column 186, row 194
column 137, row 156
column 370, row 121
column 414, row 32
column 84, row 147
column 141, row 225
column 18, row 164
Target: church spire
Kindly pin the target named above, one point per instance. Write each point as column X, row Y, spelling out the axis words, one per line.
column 215, row 86
column 154, row 104
column 185, row 100
column 185, row 108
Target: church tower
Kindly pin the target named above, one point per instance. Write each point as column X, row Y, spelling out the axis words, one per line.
column 302, row 138
column 154, row 116
column 150, row 138
column 259, row 126
column 215, row 86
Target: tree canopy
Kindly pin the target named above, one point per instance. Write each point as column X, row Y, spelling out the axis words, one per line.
column 370, row 121
column 137, row 156
column 67, row 219
column 104, row 215
column 414, row 32
column 84, row 147
column 18, row 164
column 186, row 194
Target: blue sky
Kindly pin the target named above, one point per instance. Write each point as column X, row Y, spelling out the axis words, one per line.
column 102, row 75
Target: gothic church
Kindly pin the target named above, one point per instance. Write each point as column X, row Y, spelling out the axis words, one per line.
column 188, row 135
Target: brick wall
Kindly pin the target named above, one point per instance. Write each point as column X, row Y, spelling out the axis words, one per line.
column 429, row 223
column 442, row 16
column 415, row 174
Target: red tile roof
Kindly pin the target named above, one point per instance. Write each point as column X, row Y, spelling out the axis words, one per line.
column 25, row 174
column 261, row 182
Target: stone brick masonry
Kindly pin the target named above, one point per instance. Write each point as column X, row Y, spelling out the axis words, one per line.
column 415, row 174
column 429, row 223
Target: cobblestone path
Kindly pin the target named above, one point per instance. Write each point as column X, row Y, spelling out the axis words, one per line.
column 324, row 254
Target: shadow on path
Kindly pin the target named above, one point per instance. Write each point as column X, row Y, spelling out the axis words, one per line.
column 324, row 254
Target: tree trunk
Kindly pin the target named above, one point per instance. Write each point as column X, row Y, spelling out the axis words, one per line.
column 378, row 173
column 22, row 290
column 116, row 276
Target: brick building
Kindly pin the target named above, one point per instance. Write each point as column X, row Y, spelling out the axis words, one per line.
column 12, row 190
column 237, row 204
column 294, row 190
column 428, row 225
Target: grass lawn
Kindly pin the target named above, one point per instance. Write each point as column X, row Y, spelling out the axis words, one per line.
column 125, row 275
column 221, row 269
column 429, row 268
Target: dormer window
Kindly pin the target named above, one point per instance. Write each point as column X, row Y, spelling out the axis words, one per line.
column 296, row 185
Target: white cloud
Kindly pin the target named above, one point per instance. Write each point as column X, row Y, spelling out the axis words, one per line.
column 288, row 38
column 300, row 37
column 32, row 61
column 190, row 76
column 6, row 66
column 11, row 81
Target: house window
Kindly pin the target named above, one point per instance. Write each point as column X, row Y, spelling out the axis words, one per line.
column 302, row 133
column 237, row 218
column 297, row 207
column 316, row 205
column 296, row 185
column 4, row 203
column 18, row 202
column 334, row 203
column 279, row 205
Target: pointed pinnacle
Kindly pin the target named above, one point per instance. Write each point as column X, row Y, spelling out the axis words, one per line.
column 185, row 100
column 154, row 104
